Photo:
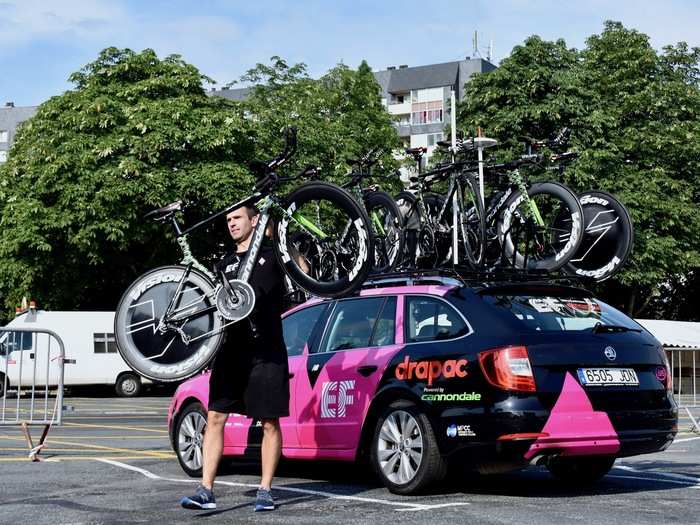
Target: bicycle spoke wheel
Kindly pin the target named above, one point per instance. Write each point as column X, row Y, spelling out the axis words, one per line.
column 323, row 240
column 473, row 224
column 541, row 232
column 385, row 218
column 164, row 355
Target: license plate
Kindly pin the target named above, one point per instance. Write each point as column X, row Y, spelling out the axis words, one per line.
column 608, row 377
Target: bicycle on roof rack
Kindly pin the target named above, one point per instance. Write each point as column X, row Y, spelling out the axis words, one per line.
column 384, row 214
column 169, row 322
column 523, row 216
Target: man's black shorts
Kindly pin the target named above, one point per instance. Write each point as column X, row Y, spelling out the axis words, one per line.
column 255, row 386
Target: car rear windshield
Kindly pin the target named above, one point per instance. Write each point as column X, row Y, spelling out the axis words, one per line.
column 558, row 313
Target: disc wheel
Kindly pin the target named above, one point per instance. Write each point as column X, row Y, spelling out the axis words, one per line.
column 164, row 355
column 607, row 239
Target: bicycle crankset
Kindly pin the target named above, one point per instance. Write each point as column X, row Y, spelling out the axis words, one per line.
column 235, row 301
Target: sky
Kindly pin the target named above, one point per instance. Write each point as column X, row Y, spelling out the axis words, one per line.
column 43, row 41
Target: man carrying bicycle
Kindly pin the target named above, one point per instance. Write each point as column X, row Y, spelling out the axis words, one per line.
column 250, row 372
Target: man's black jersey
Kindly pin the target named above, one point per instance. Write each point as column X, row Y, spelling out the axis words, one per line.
column 260, row 334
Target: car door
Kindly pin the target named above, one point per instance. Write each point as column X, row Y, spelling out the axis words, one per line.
column 298, row 327
column 343, row 370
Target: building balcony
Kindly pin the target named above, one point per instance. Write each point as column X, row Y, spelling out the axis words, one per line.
column 399, row 109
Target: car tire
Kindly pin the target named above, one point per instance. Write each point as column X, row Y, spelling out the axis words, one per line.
column 404, row 451
column 580, row 470
column 2, row 385
column 188, row 438
column 128, row 385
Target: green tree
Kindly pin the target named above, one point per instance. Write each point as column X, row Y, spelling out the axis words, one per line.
column 338, row 116
column 136, row 132
column 634, row 115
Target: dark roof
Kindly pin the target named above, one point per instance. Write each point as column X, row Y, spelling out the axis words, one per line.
column 421, row 77
column 232, row 94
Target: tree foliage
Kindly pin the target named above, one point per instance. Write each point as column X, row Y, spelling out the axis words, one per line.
column 634, row 115
column 339, row 116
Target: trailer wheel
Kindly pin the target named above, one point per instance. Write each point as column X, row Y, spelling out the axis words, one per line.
column 128, row 385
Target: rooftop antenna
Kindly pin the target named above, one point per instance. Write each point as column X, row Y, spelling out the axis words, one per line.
column 490, row 54
column 475, row 44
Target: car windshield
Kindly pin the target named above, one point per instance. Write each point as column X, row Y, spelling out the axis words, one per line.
column 551, row 313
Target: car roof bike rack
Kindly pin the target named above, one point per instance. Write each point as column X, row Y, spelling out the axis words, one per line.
column 464, row 276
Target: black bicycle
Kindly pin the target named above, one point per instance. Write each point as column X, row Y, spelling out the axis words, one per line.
column 384, row 214
column 169, row 322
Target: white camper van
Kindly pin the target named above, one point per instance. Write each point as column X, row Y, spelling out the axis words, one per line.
column 90, row 346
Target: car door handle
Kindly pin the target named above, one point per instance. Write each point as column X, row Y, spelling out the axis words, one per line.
column 290, row 375
column 367, row 370
column 31, row 356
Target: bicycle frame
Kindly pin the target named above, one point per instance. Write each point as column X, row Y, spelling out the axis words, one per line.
column 175, row 314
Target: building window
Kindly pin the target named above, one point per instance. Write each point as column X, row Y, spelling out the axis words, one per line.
column 426, row 112
column 4, row 137
column 105, row 343
column 434, row 138
column 3, row 156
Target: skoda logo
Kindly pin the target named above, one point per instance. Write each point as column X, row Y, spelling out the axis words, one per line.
column 610, row 353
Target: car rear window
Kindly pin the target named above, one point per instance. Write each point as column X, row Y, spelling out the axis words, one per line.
column 560, row 313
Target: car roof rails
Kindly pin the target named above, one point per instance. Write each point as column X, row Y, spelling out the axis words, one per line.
column 413, row 278
column 465, row 276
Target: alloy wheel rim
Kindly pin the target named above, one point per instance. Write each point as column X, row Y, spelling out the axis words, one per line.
column 400, row 447
column 191, row 438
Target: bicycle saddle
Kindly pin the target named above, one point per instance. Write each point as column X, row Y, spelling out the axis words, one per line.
column 165, row 212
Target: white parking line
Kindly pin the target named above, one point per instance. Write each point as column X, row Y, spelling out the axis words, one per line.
column 329, row 495
column 684, row 440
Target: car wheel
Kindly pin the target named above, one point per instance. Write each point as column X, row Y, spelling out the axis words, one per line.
column 128, row 385
column 580, row 470
column 404, row 451
column 189, row 438
column 2, row 385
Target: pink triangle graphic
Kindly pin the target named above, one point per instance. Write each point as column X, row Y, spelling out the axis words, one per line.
column 574, row 428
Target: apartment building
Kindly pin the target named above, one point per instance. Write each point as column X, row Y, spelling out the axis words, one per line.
column 10, row 118
column 418, row 97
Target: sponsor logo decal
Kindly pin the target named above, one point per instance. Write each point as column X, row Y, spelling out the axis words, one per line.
column 336, row 396
column 431, row 369
column 460, row 431
column 454, row 396
column 610, row 353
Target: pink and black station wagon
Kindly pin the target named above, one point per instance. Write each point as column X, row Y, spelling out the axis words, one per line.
column 411, row 374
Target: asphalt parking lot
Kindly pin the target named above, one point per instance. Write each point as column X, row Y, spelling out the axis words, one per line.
column 111, row 462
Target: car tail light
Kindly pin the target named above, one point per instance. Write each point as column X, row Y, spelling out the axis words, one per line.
column 508, row 368
column 664, row 373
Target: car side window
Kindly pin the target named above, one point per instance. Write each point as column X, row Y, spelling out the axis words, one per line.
column 352, row 324
column 385, row 328
column 430, row 319
column 298, row 326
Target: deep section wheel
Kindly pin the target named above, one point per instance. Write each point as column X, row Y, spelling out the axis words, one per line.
column 323, row 240
column 543, row 230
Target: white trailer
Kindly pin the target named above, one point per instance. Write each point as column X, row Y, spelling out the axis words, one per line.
column 91, row 352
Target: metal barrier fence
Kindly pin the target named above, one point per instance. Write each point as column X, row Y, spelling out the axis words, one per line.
column 685, row 371
column 31, row 380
